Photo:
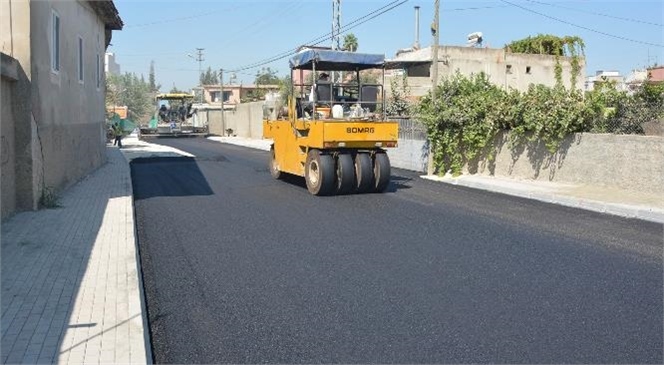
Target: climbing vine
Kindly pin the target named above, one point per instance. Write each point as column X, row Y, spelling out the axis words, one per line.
column 547, row 44
column 464, row 118
column 469, row 112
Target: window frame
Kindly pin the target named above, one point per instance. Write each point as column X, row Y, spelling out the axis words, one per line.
column 98, row 72
column 80, row 64
column 55, row 41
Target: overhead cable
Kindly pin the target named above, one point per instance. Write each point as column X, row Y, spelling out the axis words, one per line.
column 583, row 27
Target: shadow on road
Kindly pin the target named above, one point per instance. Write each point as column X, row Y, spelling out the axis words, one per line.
column 396, row 182
column 180, row 176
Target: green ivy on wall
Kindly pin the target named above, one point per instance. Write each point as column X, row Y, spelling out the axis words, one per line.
column 547, row 44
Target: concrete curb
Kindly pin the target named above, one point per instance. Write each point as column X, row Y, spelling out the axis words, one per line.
column 147, row 339
column 624, row 210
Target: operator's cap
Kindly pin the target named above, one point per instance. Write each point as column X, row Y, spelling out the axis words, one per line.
column 324, row 74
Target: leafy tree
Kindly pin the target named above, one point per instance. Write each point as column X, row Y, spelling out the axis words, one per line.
column 267, row 76
column 285, row 89
column 209, row 77
column 397, row 102
column 131, row 91
column 175, row 90
column 152, row 83
column 350, row 42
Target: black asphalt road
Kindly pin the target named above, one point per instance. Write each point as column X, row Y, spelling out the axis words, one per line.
column 241, row 268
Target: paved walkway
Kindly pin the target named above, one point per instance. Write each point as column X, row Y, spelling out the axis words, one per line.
column 70, row 279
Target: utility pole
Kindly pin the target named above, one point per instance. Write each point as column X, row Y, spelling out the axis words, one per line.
column 221, row 100
column 435, row 30
column 200, row 59
column 336, row 30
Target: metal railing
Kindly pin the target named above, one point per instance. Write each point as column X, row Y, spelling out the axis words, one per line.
column 410, row 129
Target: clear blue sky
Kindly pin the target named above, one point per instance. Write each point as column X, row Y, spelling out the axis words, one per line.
column 240, row 33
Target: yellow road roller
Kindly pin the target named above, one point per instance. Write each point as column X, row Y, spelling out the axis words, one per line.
column 334, row 132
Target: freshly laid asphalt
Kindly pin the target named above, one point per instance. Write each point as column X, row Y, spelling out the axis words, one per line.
column 241, row 268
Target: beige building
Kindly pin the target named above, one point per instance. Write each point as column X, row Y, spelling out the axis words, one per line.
column 236, row 94
column 53, row 122
column 509, row 70
column 111, row 67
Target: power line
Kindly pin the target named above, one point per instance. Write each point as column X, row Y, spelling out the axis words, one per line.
column 257, row 26
column 312, row 42
column 598, row 14
column 582, row 27
column 357, row 22
column 186, row 17
column 476, row 8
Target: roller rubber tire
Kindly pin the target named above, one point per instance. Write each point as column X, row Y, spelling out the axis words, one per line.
column 274, row 167
column 363, row 173
column 381, row 171
column 345, row 174
column 319, row 173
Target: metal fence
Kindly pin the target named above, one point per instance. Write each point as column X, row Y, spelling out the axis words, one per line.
column 411, row 129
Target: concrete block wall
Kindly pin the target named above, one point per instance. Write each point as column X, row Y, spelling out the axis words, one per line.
column 409, row 155
column 628, row 162
column 245, row 121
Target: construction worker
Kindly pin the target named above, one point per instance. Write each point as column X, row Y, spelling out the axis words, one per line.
column 118, row 132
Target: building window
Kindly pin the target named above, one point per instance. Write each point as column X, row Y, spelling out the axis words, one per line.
column 98, row 71
column 214, row 96
column 508, row 69
column 528, row 70
column 80, row 59
column 55, row 42
column 419, row 71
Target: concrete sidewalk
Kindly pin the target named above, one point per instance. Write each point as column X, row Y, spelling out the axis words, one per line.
column 71, row 287
column 641, row 205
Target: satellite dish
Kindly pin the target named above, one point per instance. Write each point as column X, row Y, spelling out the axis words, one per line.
column 474, row 39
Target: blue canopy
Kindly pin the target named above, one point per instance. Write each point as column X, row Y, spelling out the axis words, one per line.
column 328, row 60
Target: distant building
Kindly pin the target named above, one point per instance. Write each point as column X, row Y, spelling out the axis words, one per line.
column 635, row 79
column 505, row 69
column 121, row 111
column 53, row 107
column 656, row 74
column 605, row 76
column 236, row 94
column 111, row 67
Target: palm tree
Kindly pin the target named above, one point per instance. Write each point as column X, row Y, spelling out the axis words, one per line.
column 350, row 42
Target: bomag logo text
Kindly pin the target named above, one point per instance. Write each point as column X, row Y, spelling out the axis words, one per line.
column 360, row 130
